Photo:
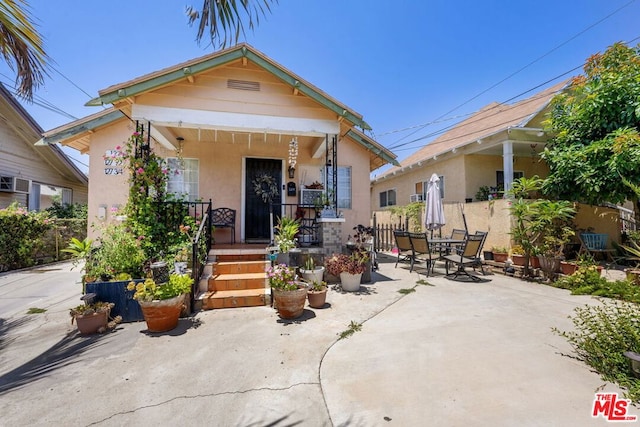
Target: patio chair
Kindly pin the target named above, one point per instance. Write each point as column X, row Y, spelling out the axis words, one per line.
column 446, row 249
column 479, row 262
column 405, row 250
column 421, row 251
column 225, row 218
column 594, row 244
column 468, row 257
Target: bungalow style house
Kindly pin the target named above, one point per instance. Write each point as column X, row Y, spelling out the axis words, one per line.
column 487, row 151
column 33, row 176
column 248, row 132
column 491, row 148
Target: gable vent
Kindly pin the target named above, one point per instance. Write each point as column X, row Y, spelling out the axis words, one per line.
column 243, row 85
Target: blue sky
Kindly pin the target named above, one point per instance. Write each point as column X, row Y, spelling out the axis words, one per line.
column 401, row 64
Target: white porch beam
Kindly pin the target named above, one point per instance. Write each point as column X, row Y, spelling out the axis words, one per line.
column 162, row 135
column 194, row 119
column 507, row 164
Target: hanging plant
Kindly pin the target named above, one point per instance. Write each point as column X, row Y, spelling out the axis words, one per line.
column 265, row 187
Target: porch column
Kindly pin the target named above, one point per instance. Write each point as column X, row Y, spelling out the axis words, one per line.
column 507, row 164
column 330, row 235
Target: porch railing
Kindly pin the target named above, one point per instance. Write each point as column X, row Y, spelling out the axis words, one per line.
column 305, row 214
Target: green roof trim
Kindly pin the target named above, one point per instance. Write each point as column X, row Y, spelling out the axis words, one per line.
column 92, row 124
column 376, row 150
column 163, row 79
column 307, row 90
column 192, row 68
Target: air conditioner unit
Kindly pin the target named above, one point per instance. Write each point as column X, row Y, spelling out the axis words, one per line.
column 415, row 198
column 13, row 184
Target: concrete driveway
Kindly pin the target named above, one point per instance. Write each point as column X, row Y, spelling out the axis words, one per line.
column 448, row 354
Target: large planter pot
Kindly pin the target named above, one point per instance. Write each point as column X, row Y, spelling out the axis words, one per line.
column 350, row 282
column 315, row 275
column 317, row 299
column 122, row 298
column 290, row 304
column 534, row 262
column 92, row 323
column 568, row 268
column 162, row 315
column 500, row 257
column 518, row 259
column 549, row 264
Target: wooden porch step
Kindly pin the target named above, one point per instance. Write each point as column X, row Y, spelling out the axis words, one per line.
column 238, row 267
column 236, row 298
column 227, row 282
column 240, row 257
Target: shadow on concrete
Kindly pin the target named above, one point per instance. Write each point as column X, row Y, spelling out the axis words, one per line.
column 63, row 353
column 280, row 422
column 184, row 324
column 306, row 315
column 6, row 325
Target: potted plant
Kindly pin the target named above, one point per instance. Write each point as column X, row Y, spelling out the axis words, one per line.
column 180, row 260
column 92, row 318
column 517, row 255
column 312, row 272
column 363, row 242
column 80, row 250
column 500, row 253
column 112, row 264
column 285, row 238
column 348, row 267
column 317, row 294
column 162, row 303
column 633, row 255
column 289, row 294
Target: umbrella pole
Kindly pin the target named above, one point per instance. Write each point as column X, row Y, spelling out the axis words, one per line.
column 464, row 219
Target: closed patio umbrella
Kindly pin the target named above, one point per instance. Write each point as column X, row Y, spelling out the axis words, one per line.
column 434, row 217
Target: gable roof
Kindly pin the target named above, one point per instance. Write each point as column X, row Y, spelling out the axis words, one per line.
column 30, row 131
column 118, row 93
column 491, row 119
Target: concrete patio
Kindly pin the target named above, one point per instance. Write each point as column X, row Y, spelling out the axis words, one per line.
column 448, row 354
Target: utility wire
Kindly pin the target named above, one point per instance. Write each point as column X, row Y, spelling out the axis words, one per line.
column 440, row 118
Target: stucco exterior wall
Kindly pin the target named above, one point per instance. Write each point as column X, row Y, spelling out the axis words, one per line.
column 108, row 191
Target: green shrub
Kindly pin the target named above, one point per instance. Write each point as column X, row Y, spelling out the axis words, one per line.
column 588, row 281
column 20, row 236
column 601, row 334
column 118, row 253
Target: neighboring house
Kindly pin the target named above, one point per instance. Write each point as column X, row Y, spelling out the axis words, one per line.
column 33, row 176
column 236, row 117
column 491, row 148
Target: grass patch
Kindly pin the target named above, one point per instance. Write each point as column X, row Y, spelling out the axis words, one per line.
column 353, row 328
column 36, row 310
column 423, row 282
column 406, row 291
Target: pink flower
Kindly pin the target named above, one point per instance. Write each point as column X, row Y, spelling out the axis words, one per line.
column 118, row 148
column 140, row 171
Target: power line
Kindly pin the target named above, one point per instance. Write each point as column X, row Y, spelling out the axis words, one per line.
column 440, row 118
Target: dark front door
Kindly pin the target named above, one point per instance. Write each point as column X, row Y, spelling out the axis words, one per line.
column 263, row 185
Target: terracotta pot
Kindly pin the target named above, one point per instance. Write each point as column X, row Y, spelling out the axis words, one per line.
column 350, row 282
column 500, row 257
column 290, row 304
column 311, row 276
column 517, row 259
column 317, row 299
column 534, row 262
column 91, row 323
column 162, row 315
column 568, row 268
